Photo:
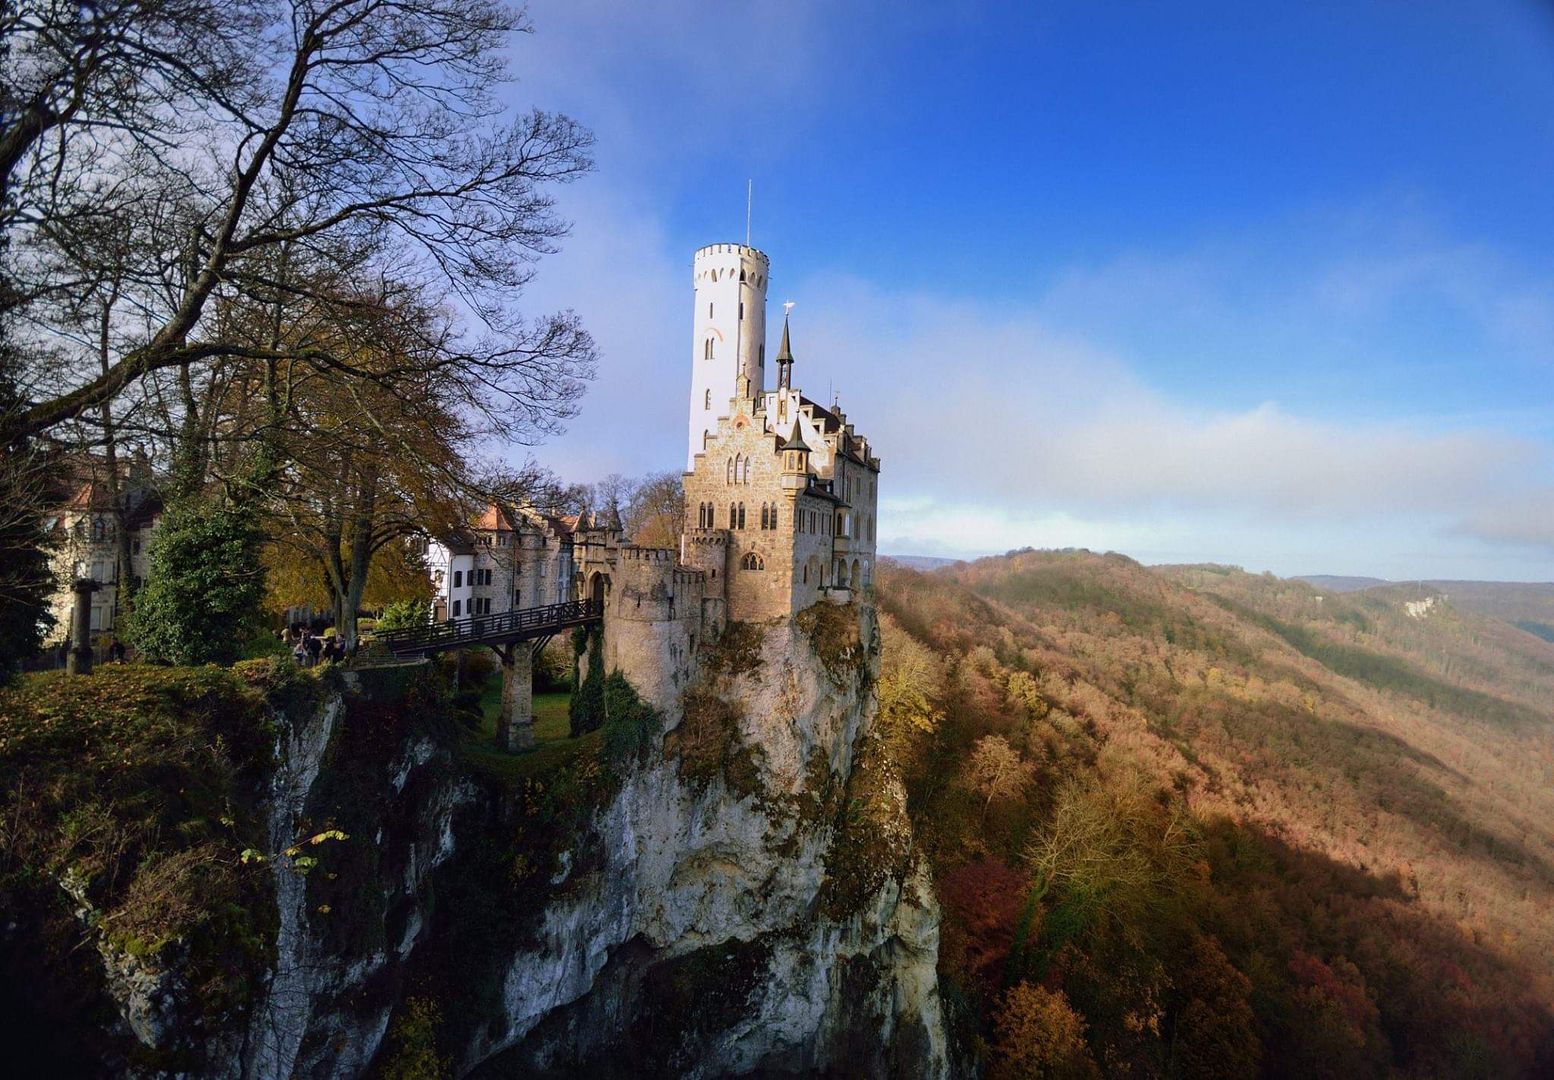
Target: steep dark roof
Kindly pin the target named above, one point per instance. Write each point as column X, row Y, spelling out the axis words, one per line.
column 785, row 353
column 795, row 441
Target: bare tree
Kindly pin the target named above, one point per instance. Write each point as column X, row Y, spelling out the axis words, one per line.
column 368, row 129
column 655, row 513
column 997, row 769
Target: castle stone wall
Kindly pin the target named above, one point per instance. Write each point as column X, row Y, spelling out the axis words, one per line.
column 653, row 623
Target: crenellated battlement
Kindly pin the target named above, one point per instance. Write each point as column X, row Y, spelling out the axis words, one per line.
column 646, row 554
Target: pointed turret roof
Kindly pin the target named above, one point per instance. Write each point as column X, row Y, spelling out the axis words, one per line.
column 785, row 353
column 796, row 440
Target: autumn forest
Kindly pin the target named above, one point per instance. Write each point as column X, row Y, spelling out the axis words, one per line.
column 1191, row 821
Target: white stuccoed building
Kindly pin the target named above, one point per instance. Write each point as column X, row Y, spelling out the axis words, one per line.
column 506, row 560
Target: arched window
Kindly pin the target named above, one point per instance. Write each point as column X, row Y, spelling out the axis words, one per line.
column 741, row 515
column 706, row 349
column 774, row 516
column 733, row 515
column 752, row 561
column 728, row 471
column 708, row 403
column 763, row 516
column 746, row 479
column 706, row 438
column 739, row 464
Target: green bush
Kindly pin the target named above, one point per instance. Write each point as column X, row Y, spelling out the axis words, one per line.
column 630, row 725
column 586, row 711
column 403, row 615
column 552, row 670
column 201, row 602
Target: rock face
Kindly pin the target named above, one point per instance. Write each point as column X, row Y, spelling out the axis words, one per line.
column 757, row 908
column 741, row 897
column 363, row 764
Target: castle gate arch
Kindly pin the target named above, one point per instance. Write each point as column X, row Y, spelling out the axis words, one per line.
column 598, row 586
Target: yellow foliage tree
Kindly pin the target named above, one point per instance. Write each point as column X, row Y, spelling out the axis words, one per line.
column 911, row 679
column 1037, row 1033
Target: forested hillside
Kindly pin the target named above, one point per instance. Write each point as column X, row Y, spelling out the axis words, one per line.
column 1191, row 821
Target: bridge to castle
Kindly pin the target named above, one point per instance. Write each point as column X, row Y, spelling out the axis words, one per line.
column 497, row 631
column 516, row 637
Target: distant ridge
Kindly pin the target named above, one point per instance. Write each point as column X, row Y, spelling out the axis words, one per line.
column 1528, row 605
column 1339, row 583
column 921, row 562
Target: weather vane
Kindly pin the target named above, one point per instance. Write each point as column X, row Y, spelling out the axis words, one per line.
column 787, row 306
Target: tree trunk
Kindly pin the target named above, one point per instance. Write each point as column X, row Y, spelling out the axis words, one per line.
column 189, row 452
column 124, row 567
column 361, row 558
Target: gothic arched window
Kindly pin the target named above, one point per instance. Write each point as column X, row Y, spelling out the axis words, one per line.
column 741, row 515
column 774, row 516
column 763, row 515
column 752, row 561
column 733, row 515
column 708, row 402
column 728, row 471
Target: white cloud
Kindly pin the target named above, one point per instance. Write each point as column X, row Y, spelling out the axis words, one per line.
column 1057, row 443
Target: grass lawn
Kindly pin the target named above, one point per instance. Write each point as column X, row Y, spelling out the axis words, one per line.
column 553, row 746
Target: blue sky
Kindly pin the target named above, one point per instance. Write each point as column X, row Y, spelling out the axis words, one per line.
column 1251, row 283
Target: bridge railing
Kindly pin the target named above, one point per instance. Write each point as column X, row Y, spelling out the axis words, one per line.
column 473, row 630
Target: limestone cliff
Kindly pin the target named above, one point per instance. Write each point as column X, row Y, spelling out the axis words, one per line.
column 754, row 904
column 723, row 884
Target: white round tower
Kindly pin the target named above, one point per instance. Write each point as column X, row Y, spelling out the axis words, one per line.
column 729, row 333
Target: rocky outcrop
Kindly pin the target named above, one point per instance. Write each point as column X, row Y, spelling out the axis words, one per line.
column 734, row 893
column 366, row 785
column 757, row 907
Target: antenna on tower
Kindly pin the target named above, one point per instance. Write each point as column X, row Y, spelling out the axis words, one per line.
column 749, row 199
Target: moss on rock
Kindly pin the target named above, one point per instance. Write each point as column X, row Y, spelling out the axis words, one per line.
column 833, row 634
column 709, row 744
column 691, row 997
column 872, row 843
column 136, row 789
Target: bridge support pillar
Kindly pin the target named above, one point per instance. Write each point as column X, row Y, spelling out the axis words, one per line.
column 515, row 723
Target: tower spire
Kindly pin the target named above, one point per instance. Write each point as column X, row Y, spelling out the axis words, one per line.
column 785, row 353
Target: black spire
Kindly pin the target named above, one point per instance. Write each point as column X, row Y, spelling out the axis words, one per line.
column 785, row 360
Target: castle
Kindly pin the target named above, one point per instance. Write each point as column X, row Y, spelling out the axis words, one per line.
column 781, row 497
column 780, row 494
column 784, row 491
